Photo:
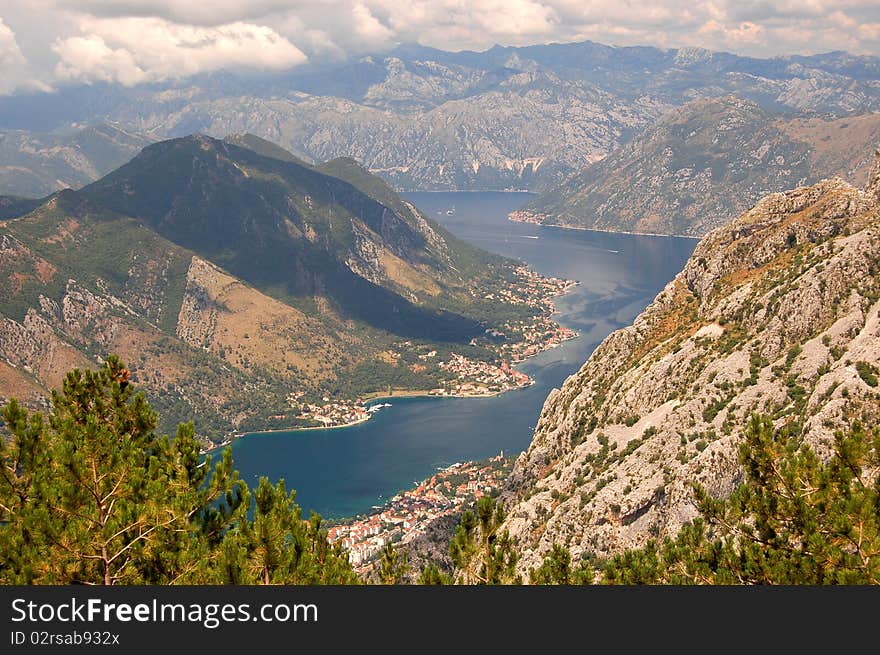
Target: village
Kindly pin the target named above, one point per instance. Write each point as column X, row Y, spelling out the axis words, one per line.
column 536, row 289
column 540, row 332
column 331, row 414
column 471, row 377
column 478, row 378
column 407, row 514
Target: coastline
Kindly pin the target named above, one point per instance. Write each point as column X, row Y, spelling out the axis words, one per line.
column 534, row 193
column 419, row 393
column 638, row 234
column 405, row 393
column 416, row 393
column 607, row 231
column 311, row 427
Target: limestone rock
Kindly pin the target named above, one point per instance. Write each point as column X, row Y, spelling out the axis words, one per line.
column 771, row 314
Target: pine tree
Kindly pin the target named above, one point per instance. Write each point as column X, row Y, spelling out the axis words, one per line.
column 431, row 575
column 393, row 566
column 482, row 555
column 556, row 569
column 92, row 495
column 795, row 520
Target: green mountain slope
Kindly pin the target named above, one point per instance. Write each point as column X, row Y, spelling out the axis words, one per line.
column 232, row 281
column 295, row 232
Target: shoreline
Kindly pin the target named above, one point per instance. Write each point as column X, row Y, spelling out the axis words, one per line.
column 417, row 393
column 409, row 393
column 534, row 193
column 606, row 231
column 307, row 428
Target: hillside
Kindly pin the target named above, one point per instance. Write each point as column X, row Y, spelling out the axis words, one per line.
column 34, row 164
column 702, row 165
column 776, row 313
column 509, row 117
column 233, row 283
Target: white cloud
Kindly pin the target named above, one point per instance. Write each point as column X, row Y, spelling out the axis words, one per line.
column 208, row 13
column 452, row 24
column 10, row 53
column 15, row 73
column 134, row 50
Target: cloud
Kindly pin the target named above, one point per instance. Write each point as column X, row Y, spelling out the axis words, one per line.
column 452, row 24
column 15, row 73
column 205, row 13
column 134, row 50
column 134, row 41
column 10, row 53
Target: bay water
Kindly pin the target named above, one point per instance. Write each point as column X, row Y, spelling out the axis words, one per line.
column 343, row 472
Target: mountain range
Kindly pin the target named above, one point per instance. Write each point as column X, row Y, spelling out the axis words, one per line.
column 703, row 164
column 34, row 164
column 509, row 117
column 230, row 275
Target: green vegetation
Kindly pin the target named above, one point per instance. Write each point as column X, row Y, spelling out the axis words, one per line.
column 557, row 569
column 101, row 250
column 432, row 575
column 481, row 555
column 393, row 566
column 251, row 214
column 795, row 520
column 90, row 494
column 712, row 410
column 286, row 229
column 868, row 372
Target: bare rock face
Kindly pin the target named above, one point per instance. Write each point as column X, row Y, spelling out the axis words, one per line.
column 777, row 313
column 872, row 188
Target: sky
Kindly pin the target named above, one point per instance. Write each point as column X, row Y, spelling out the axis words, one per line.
column 48, row 43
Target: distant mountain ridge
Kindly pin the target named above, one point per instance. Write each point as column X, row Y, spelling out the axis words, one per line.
column 35, row 164
column 509, row 117
column 703, row 164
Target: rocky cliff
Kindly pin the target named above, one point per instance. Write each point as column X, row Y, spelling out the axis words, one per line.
column 775, row 313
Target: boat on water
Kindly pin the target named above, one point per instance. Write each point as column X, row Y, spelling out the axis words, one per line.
column 528, row 237
column 450, row 212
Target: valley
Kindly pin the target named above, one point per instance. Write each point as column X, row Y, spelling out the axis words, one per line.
column 342, row 473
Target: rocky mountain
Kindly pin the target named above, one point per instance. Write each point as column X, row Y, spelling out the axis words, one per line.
column 777, row 313
column 229, row 279
column 702, row 165
column 423, row 118
column 35, row 164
